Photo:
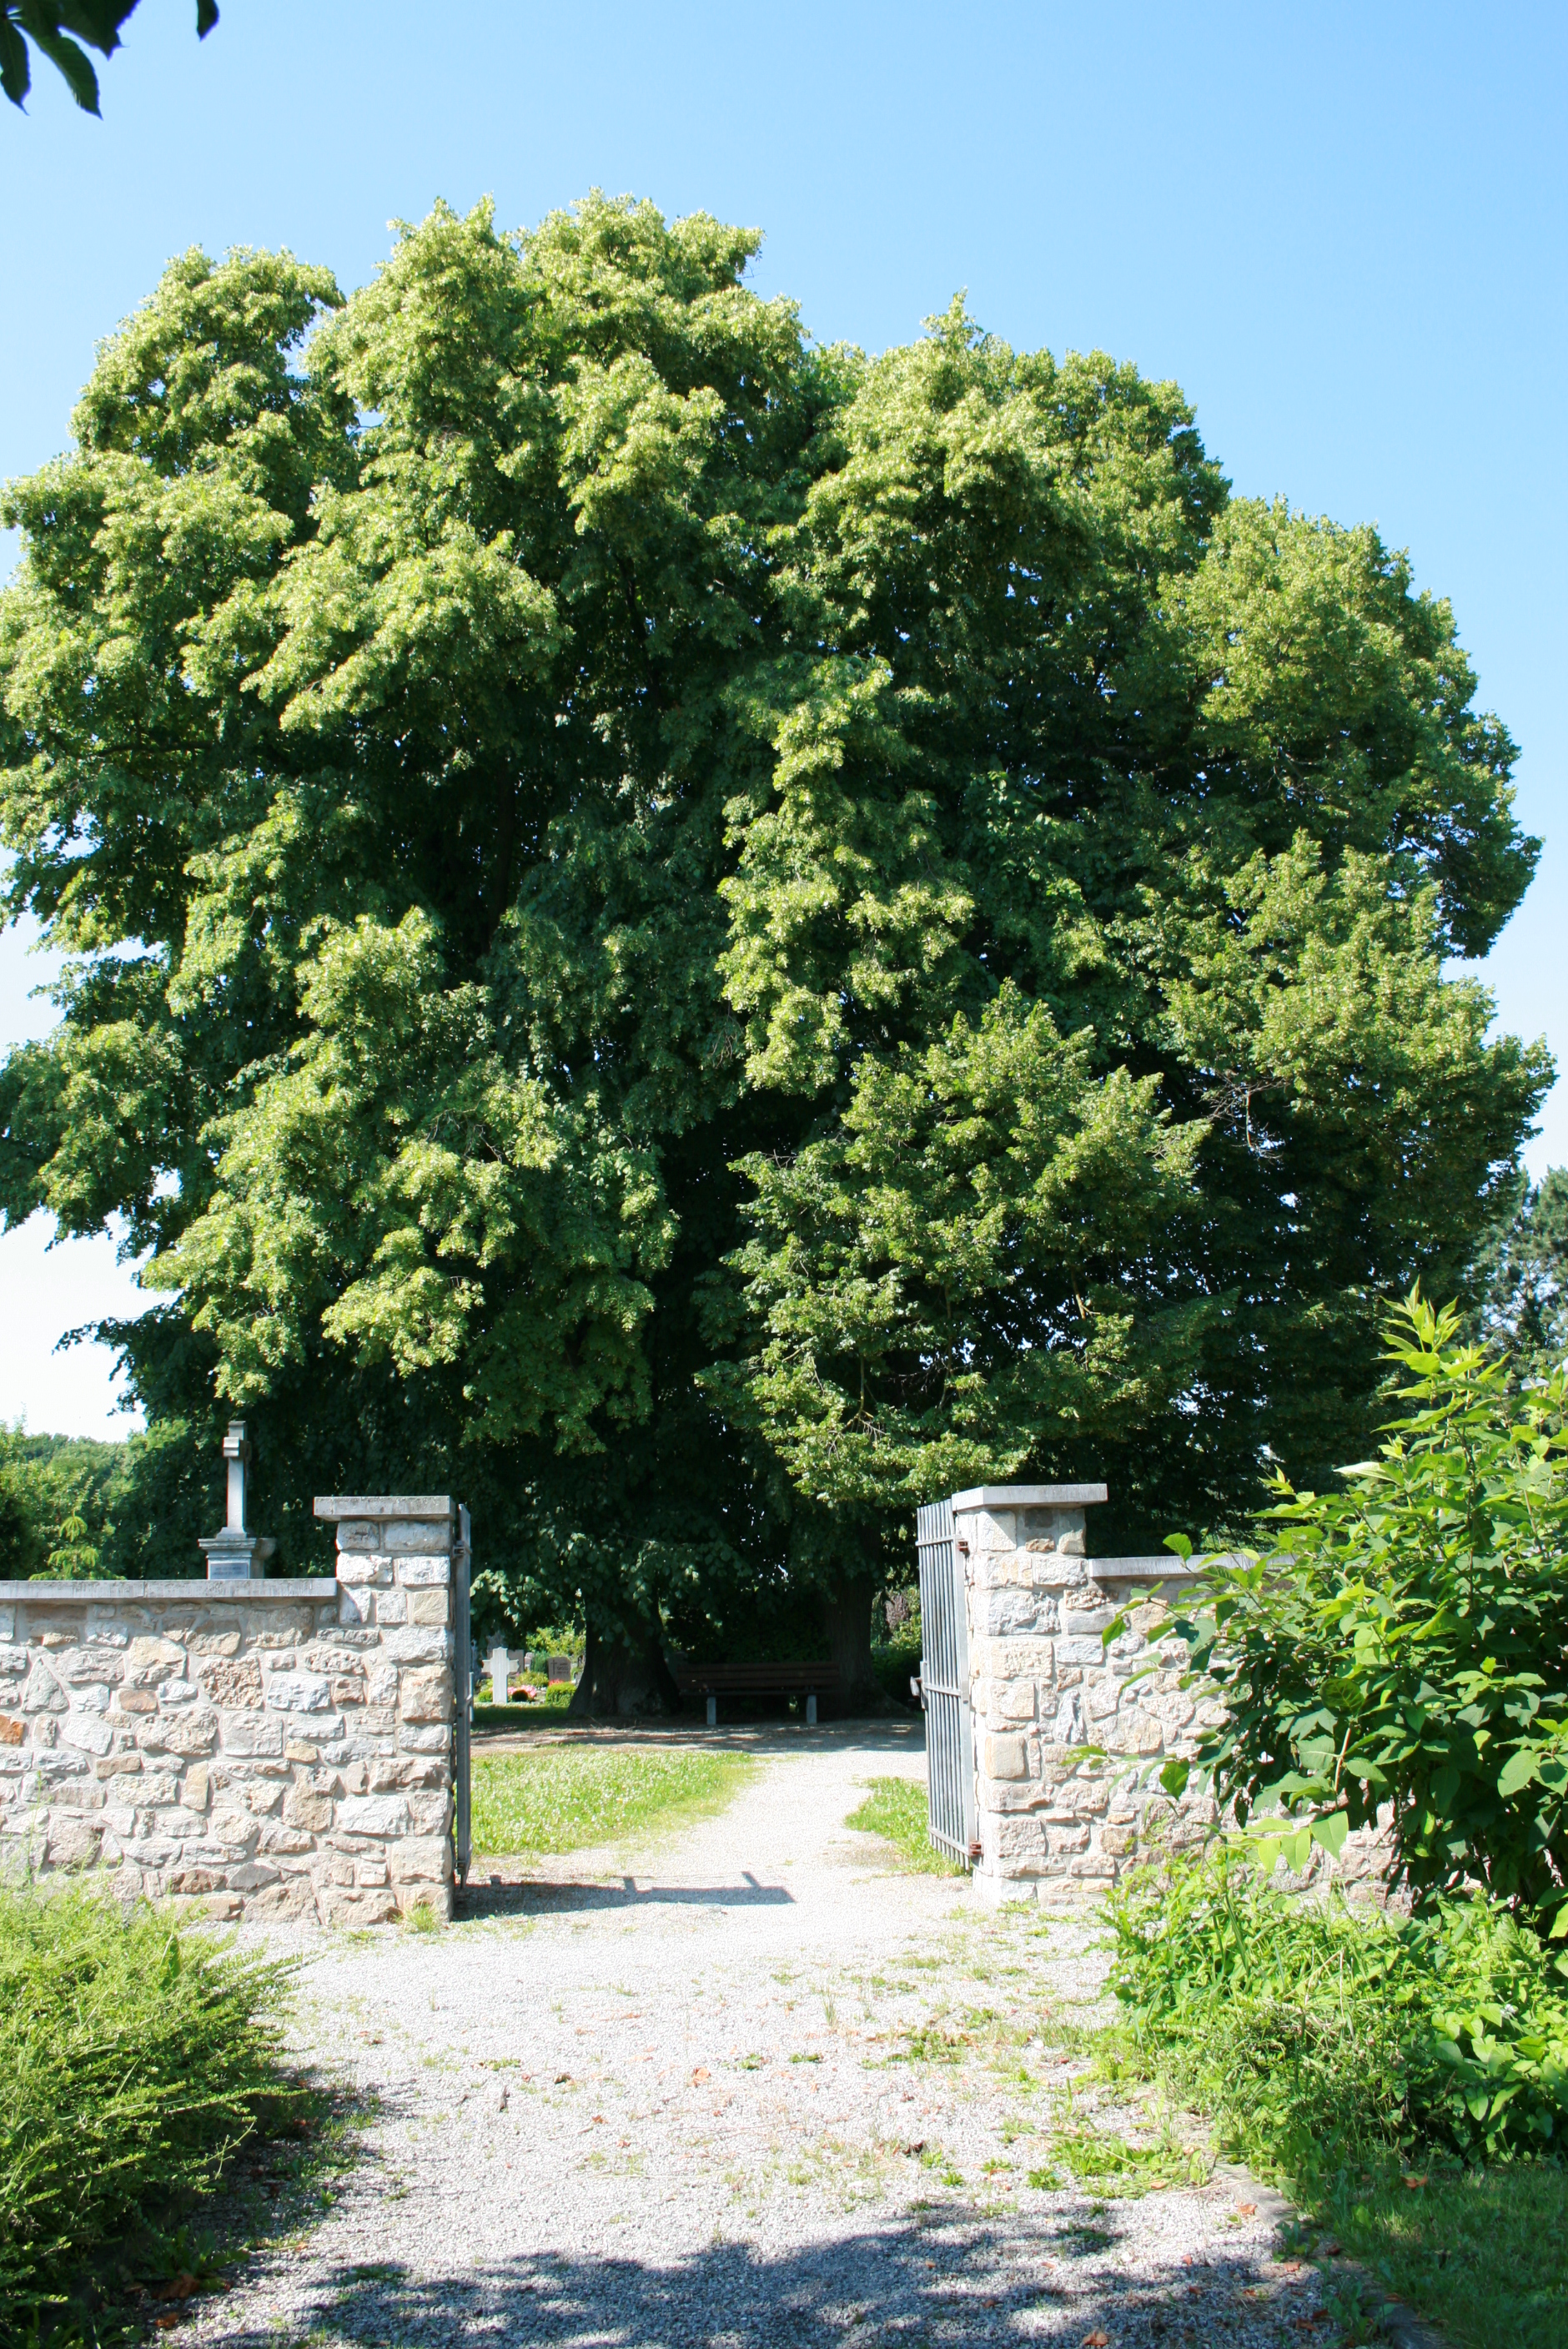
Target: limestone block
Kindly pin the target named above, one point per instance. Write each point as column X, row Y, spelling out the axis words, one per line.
column 236, row 1682
column 381, row 1686
column 355, row 1606
column 1011, row 1701
column 296, row 1692
column 276, row 1837
column 148, row 1661
column 42, row 1693
column 414, row 1538
column 391, row 1607
column 370, row 1871
column 1073, row 1649
column 1101, row 1699
column 396, row 1773
column 1014, row 1660
column 424, row 1571
column 1005, row 1757
column 1005, row 1614
column 92, row 1661
column 187, row 1734
column 420, row 1859
column 86, row 1733
column 72, row 1841
column 118, row 1766
column 413, row 1738
column 430, row 1810
column 13, row 1661
column 1117, row 1841
column 428, row 1606
column 134, row 1700
column 418, row 1643
column 251, row 1875
column 1012, row 1794
column 309, row 1809
column 288, row 1903
column 425, row 1695
column 354, row 1570
column 12, row 1731
column 252, row 1733
column 276, row 1627
column 1015, row 1839
column 196, row 1787
column 339, row 1906
column 1064, row 1842
column 223, row 1644
column 358, row 1534
column 374, row 1814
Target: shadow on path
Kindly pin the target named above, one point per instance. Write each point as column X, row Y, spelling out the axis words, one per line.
column 952, row 2277
column 541, row 1896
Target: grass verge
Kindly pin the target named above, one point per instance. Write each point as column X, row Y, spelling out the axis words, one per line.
column 570, row 1796
column 138, row 2060
column 1406, row 2081
column 895, row 1809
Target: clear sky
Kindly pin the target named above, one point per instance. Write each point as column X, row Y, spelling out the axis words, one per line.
column 1341, row 229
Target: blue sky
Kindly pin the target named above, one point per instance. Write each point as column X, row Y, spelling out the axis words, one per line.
column 1341, row 229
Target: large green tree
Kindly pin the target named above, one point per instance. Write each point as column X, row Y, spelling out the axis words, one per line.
column 702, row 936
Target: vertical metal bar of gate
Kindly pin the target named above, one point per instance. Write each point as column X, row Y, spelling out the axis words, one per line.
column 462, row 1702
column 944, row 1685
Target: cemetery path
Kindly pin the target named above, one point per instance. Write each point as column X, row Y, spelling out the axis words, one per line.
column 755, row 2086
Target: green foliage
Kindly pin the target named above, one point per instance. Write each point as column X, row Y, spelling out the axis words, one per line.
column 565, row 1798
column 1322, row 2035
column 1404, row 1646
column 1520, row 1277
column 895, row 1809
column 59, row 1497
column 49, row 25
column 687, row 935
column 137, row 2059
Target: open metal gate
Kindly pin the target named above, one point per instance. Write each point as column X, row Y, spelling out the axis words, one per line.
column 462, row 1703
column 945, row 1686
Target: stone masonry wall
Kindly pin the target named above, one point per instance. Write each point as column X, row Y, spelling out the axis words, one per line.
column 1043, row 1687
column 275, row 1748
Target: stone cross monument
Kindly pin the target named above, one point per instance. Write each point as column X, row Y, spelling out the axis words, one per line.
column 236, row 1555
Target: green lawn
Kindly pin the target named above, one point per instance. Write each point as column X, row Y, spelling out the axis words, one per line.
column 895, row 1809
column 1483, row 2253
column 570, row 1795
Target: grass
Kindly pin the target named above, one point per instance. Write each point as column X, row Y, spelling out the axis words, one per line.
column 1483, row 2253
column 1404, row 2081
column 549, row 1705
column 895, row 1809
column 570, row 1796
column 136, row 2060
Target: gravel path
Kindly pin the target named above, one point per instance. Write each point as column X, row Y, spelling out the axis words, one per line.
column 756, row 2086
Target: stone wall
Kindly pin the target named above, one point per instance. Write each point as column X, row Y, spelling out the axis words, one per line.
column 273, row 1748
column 1043, row 1687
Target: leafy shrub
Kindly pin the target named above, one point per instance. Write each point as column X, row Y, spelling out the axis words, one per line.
column 1320, row 2034
column 136, row 2059
column 1406, row 1644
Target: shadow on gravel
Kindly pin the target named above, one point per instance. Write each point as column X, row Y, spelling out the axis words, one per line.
column 965, row 2279
column 539, row 1896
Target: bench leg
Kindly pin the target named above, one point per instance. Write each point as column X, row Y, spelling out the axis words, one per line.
column 712, row 1712
column 811, row 1710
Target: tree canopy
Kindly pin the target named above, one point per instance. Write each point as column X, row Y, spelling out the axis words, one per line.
column 50, row 25
column 702, row 934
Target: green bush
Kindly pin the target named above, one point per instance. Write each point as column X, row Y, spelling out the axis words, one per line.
column 136, row 2059
column 1404, row 1646
column 1320, row 2034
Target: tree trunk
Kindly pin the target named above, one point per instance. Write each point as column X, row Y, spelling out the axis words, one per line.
column 621, row 1679
column 847, row 1613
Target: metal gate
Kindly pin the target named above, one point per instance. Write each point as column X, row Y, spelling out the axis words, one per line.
column 945, row 1686
column 462, row 1703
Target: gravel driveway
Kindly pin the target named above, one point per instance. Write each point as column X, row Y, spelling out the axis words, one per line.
column 754, row 2086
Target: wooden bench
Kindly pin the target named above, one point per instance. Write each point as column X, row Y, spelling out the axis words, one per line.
column 714, row 1680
